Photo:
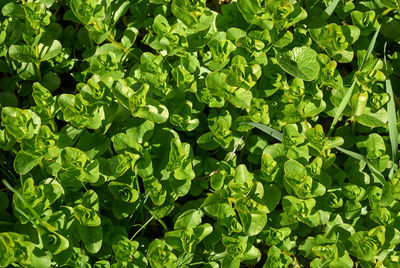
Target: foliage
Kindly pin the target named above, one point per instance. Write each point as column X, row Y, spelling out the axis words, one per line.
column 180, row 133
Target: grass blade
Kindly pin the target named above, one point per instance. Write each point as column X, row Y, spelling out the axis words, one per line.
column 269, row 130
column 349, row 92
column 376, row 173
column 329, row 9
column 392, row 119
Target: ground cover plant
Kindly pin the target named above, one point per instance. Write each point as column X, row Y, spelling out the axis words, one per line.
column 194, row 133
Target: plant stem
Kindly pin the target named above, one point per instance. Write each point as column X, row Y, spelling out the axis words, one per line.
column 337, row 167
column 384, row 13
column 353, row 126
column 158, row 219
column 112, row 40
column 37, row 63
column 143, row 226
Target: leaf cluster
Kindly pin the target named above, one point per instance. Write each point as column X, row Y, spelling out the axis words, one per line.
column 180, row 133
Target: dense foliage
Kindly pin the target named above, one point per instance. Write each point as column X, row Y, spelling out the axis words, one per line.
column 177, row 133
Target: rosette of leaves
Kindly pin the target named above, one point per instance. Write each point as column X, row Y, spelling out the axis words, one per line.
column 241, row 78
column 89, row 222
column 269, row 167
column 294, row 143
column 185, row 81
column 336, row 40
column 368, row 99
column 106, row 64
column 252, row 45
column 376, row 151
column 225, row 173
column 277, row 258
column 44, row 145
column 329, row 252
column 123, row 192
column 159, row 254
column 96, row 18
column 140, row 106
column 322, row 144
column 276, row 236
column 251, row 207
column 382, row 216
column 167, row 39
column 259, row 111
column 219, row 54
column 366, row 245
column 152, row 71
column 391, row 190
column 155, row 189
column 124, row 200
column 16, row 249
column 184, row 117
column 130, row 155
column 127, row 252
column 271, row 14
column 180, row 163
column 220, row 135
column 47, row 105
column 21, row 124
column 189, row 11
column 275, row 155
column 79, row 112
column 298, row 209
column 299, row 103
column 79, row 257
column 238, row 249
column 34, row 200
column 52, row 239
column 365, row 21
column 33, row 44
column 76, row 169
column 370, row 74
column 98, row 89
column 298, row 181
column 185, row 240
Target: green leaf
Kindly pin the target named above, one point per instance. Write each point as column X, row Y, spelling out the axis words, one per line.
column 24, row 162
column 190, row 218
column 49, row 51
column 301, row 62
column 92, row 237
column 22, row 53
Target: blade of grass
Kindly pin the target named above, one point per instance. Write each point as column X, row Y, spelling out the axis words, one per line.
column 329, row 9
column 270, row 131
column 392, row 119
column 349, row 92
column 376, row 173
